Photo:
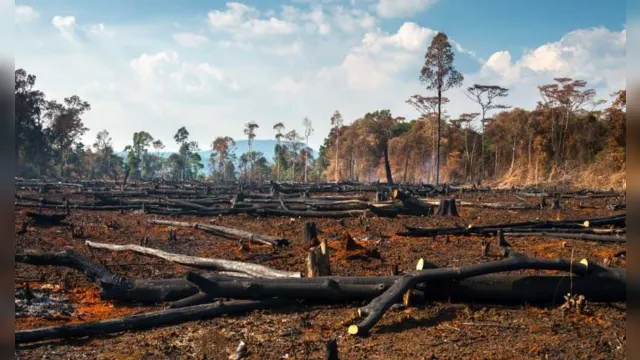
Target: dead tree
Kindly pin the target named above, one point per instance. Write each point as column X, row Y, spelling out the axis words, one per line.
column 200, row 262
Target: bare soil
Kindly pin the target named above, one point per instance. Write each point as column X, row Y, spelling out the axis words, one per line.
column 439, row 330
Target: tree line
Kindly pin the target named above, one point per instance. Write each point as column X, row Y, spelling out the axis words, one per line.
column 564, row 138
column 48, row 144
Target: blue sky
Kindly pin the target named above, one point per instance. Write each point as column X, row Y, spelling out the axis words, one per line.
column 213, row 66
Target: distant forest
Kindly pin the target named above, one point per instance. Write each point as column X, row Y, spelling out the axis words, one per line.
column 567, row 138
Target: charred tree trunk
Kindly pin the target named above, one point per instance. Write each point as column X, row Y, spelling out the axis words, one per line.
column 310, row 233
column 373, row 311
column 387, row 166
column 145, row 321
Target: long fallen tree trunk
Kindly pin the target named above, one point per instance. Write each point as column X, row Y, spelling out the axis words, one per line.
column 308, row 213
column 228, row 232
column 494, row 288
column 618, row 220
column 374, row 311
column 113, row 286
column 589, row 237
column 146, row 321
column 199, row 262
column 488, row 205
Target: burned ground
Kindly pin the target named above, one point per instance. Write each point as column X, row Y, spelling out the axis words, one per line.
column 434, row 330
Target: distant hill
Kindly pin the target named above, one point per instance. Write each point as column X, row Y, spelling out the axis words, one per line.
column 264, row 146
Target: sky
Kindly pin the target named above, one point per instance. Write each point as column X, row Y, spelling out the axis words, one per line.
column 212, row 66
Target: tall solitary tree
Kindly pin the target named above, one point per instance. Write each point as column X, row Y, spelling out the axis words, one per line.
column 439, row 74
column 308, row 130
column 278, row 127
column 250, row 131
column 485, row 95
column 336, row 124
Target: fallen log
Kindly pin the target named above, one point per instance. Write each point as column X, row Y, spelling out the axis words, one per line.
column 113, row 286
column 491, row 229
column 589, row 237
column 496, row 289
column 228, row 232
column 325, row 291
column 373, row 311
column 603, row 286
column 308, row 213
column 46, row 219
column 199, row 262
column 146, row 321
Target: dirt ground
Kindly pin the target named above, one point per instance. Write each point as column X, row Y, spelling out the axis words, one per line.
column 439, row 330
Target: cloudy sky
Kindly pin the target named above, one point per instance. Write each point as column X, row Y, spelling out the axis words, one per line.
column 212, row 66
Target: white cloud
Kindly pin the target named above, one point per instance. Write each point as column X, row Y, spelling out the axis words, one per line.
column 164, row 71
column 25, row 14
column 410, row 37
column 596, row 55
column 66, row 25
column 100, row 30
column 190, row 39
column 150, row 67
column 402, row 8
column 243, row 21
column 352, row 19
column 375, row 63
column 72, row 31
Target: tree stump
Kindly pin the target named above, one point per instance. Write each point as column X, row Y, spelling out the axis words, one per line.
column 318, row 260
column 501, row 241
column 310, row 233
column 331, row 347
column 485, row 248
column 448, row 208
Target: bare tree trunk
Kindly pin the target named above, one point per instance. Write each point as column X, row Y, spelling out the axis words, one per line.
column 482, row 160
column 406, row 165
column 438, row 141
column 387, row 166
column 497, row 156
column 513, row 154
column 337, row 172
